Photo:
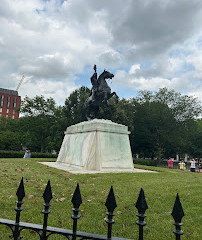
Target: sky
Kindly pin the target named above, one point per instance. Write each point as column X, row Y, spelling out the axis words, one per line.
column 146, row 44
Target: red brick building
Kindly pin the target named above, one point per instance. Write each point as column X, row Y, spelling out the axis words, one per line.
column 9, row 103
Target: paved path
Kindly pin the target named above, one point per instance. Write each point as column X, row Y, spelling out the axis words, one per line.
column 67, row 168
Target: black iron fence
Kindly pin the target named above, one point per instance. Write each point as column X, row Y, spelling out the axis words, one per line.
column 44, row 231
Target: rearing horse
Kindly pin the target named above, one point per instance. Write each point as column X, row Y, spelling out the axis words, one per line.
column 100, row 97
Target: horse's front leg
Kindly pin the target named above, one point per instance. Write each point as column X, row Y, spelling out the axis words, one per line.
column 114, row 94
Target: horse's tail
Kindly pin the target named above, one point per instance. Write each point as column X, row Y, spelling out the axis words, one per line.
column 85, row 108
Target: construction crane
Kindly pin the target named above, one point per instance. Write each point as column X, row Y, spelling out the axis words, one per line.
column 19, row 84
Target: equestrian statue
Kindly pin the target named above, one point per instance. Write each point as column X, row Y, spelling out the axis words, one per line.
column 99, row 95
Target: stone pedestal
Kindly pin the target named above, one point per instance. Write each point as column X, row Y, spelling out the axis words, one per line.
column 96, row 145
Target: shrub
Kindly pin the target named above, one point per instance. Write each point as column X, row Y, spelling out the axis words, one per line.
column 43, row 155
column 13, row 154
column 145, row 162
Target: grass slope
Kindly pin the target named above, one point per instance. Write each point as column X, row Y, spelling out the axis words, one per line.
column 160, row 191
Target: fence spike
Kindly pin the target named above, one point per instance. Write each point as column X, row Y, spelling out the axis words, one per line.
column 177, row 215
column 47, row 195
column 20, row 194
column 177, row 212
column 111, row 205
column 111, row 201
column 141, row 203
column 76, row 199
column 141, row 206
column 21, row 191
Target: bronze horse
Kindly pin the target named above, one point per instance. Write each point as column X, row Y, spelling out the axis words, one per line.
column 99, row 95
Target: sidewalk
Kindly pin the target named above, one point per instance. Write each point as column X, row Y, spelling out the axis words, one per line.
column 72, row 170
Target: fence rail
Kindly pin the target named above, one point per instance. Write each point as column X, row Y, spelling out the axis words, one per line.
column 44, row 231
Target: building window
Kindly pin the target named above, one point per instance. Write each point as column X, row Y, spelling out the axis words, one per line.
column 2, row 101
column 0, row 110
column 14, row 102
column 7, row 111
column 13, row 111
column 8, row 102
column 12, row 117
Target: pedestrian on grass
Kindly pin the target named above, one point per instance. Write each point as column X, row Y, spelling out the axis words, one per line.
column 170, row 163
column 27, row 154
column 193, row 165
column 182, row 165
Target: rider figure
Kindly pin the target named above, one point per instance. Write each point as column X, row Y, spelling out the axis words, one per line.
column 94, row 82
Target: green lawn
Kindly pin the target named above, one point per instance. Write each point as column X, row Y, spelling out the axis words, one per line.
column 160, row 191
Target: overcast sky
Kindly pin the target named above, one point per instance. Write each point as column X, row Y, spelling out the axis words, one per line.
column 146, row 44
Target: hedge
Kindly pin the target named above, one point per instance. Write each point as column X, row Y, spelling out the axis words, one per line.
column 145, row 162
column 13, row 154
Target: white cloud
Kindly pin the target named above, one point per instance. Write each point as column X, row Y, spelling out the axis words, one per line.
column 141, row 82
column 196, row 60
column 184, row 84
column 58, row 90
column 146, row 44
column 109, row 58
column 134, row 68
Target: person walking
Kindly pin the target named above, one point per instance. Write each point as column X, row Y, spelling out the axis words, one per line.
column 193, row 165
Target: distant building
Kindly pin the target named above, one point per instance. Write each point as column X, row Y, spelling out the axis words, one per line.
column 9, row 103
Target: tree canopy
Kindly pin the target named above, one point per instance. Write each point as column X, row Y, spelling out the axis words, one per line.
column 162, row 123
column 38, row 106
column 42, row 125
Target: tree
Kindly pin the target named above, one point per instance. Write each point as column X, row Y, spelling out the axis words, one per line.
column 38, row 106
column 195, row 136
column 154, row 130
column 73, row 108
column 40, row 123
column 183, row 107
column 164, row 123
column 10, row 138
